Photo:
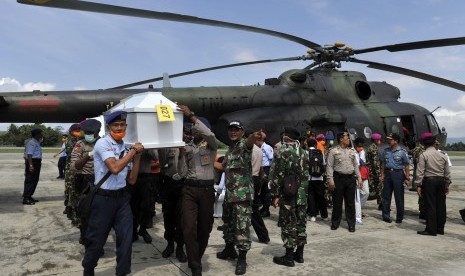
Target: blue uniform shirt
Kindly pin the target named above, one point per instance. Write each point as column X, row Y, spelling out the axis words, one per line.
column 395, row 159
column 268, row 152
column 33, row 148
column 106, row 148
column 63, row 153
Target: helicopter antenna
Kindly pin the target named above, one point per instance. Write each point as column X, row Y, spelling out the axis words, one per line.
column 435, row 109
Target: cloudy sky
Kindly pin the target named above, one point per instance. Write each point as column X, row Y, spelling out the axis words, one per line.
column 54, row 49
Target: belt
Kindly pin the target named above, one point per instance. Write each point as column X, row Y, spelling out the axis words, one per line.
column 199, row 183
column 392, row 170
column 338, row 174
column 112, row 193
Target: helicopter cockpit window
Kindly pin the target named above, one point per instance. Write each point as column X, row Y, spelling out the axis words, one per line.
column 367, row 132
column 353, row 134
column 433, row 125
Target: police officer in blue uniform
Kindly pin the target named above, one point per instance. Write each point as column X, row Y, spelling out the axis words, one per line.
column 33, row 163
column 395, row 170
column 110, row 207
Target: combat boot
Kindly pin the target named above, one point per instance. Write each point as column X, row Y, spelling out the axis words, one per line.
column 241, row 264
column 229, row 252
column 299, row 254
column 168, row 250
column 287, row 260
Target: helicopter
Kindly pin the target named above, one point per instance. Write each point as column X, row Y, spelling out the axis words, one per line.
column 319, row 97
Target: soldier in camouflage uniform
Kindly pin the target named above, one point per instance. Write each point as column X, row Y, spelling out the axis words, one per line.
column 82, row 163
column 75, row 134
column 416, row 152
column 291, row 159
column 374, row 164
column 238, row 199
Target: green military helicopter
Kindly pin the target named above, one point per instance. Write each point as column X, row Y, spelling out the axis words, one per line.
column 318, row 97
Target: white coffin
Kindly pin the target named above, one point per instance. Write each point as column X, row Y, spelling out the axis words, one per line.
column 143, row 123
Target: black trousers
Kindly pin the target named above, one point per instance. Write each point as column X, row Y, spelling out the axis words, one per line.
column 316, row 199
column 433, row 193
column 107, row 212
column 257, row 220
column 265, row 193
column 141, row 200
column 197, row 221
column 345, row 190
column 61, row 166
column 171, row 195
column 31, row 178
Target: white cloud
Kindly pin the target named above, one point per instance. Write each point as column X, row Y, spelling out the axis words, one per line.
column 12, row 85
column 244, row 56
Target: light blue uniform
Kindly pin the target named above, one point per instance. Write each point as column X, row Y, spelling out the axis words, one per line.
column 107, row 148
column 33, row 148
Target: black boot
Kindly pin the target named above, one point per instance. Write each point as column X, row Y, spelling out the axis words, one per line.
column 168, row 250
column 287, row 260
column 241, row 264
column 229, row 252
column 180, row 255
column 299, row 254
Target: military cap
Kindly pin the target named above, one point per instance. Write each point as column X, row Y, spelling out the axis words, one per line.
column 118, row 115
column 91, row 125
column 427, row 138
column 320, row 136
column 292, row 133
column 393, row 136
column 74, row 127
column 426, row 135
column 329, row 137
column 236, row 124
column 36, row 131
column 376, row 136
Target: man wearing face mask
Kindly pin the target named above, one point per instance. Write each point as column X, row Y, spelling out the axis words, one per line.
column 119, row 165
column 33, row 163
column 82, row 162
column 74, row 136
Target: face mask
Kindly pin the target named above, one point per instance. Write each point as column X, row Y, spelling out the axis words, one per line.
column 90, row 138
column 118, row 136
column 331, row 142
column 41, row 139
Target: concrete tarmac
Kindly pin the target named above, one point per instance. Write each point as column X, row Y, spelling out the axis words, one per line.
column 39, row 239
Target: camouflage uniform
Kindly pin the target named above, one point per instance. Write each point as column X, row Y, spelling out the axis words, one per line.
column 374, row 164
column 292, row 212
column 239, row 195
column 69, row 176
column 83, row 177
column 416, row 152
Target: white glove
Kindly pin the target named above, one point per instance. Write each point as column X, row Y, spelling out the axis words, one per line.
column 91, row 154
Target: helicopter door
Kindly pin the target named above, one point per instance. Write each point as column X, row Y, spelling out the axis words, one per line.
column 393, row 125
column 408, row 128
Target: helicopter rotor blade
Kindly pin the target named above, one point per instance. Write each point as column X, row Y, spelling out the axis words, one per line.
column 119, row 10
column 415, row 45
column 411, row 73
column 208, row 69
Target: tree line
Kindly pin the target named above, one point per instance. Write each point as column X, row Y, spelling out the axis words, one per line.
column 16, row 136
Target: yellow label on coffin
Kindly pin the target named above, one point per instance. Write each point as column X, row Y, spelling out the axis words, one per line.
column 165, row 113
